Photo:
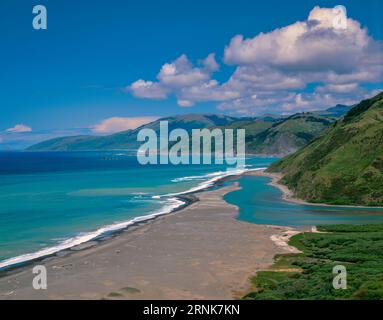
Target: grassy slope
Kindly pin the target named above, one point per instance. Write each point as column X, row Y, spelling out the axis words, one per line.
column 288, row 135
column 128, row 139
column 281, row 136
column 345, row 165
column 267, row 135
column 309, row 275
column 124, row 140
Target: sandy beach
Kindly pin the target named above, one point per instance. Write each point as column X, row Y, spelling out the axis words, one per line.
column 199, row 252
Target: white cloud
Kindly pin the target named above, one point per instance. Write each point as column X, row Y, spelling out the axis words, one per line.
column 117, row 124
column 262, row 78
column 208, row 91
column 338, row 88
column 210, row 63
column 273, row 70
column 311, row 45
column 175, row 78
column 303, row 102
column 181, row 73
column 19, row 128
column 277, row 66
column 185, row 103
column 148, row 89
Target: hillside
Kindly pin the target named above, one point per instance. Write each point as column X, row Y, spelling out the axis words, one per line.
column 128, row 139
column 343, row 166
column 285, row 136
column 266, row 135
column 338, row 111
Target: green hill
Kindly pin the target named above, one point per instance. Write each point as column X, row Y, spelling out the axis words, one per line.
column 285, row 136
column 266, row 135
column 343, row 166
column 128, row 139
column 337, row 111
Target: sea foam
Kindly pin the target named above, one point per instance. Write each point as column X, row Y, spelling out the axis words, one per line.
column 171, row 204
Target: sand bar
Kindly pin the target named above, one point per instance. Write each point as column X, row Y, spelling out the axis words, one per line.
column 199, row 252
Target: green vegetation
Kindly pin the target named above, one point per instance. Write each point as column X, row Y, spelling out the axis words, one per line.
column 288, row 135
column 309, row 275
column 128, row 139
column 338, row 111
column 343, row 166
column 122, row 293
column 280, row 135
column 115, row 295
column 267, row 135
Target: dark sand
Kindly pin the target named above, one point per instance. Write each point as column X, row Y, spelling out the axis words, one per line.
column 200, row 252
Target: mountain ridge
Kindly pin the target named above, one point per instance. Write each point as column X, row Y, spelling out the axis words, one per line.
column 345, row 165
column 279, row 135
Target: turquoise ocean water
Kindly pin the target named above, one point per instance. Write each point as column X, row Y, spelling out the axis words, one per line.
column 50, row 201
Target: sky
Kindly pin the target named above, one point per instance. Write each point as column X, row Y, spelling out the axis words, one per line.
column 106, row 66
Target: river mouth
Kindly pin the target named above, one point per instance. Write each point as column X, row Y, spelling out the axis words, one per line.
column 261, row 203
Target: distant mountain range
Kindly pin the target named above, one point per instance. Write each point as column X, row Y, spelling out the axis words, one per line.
column 266, row 135
column 337, row 111
column 343, row 166
column 283, row 136
column 128, row 139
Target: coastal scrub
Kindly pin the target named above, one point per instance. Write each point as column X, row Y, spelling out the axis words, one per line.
column 309, row 275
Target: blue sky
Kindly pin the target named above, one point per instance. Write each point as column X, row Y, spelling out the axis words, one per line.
column 78, row 72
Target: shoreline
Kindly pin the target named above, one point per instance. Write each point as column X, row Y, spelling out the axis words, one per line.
column 202, row 252
column 288, row 195
column 186, row 197
column 4, row 271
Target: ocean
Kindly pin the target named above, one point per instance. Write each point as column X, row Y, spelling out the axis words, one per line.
column 50, row 201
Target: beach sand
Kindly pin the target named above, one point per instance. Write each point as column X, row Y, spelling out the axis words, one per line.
column 199, row 252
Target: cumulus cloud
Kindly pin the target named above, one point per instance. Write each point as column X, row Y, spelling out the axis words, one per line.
column 117, row 124
column 185, row 103
column 181, row 73
column 19, row 128
column 337, row 88
column 176, row 78
column 148, row 89
column 262, row 78
column 337, row 60
column 311, row 45
column 304, row 66
column 208, row 91
column 210, row 63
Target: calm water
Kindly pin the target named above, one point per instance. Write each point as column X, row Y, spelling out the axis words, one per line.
column 262, row 204
column 54, row 200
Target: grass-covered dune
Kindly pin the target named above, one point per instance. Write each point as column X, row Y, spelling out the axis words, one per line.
column 345, row 164
column 309, row 275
